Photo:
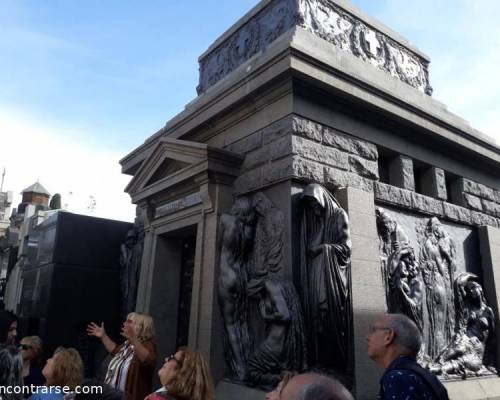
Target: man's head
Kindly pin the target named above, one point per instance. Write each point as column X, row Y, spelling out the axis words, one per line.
column 312, row 386
column 392, row 335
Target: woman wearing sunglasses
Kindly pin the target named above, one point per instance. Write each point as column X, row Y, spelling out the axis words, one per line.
column 31, row 349
column 184, row 376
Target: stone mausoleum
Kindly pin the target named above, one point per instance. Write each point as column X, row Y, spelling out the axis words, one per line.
column 313, row 184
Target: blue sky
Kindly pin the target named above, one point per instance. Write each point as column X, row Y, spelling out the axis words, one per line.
column 94, row 78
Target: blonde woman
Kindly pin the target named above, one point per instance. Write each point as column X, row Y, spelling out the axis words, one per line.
column 31, row 350
column 63, row 369
column 131, row 369
column 184, row 376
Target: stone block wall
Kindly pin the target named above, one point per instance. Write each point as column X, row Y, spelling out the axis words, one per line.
column 297, row 148
column 476, row 196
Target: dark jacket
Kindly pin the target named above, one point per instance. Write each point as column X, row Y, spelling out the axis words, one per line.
column 405, row 379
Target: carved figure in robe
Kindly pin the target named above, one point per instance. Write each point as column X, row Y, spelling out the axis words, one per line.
column 235, row 241
column 127, row 274
column 267, row 251
column 130, row 261
column 466, row 354
column 392, row 238
column 405, row 285
column 283, row 347
column 437, row 271
column 325, row 278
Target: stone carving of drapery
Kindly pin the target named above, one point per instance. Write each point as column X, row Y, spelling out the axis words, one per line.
column 325, row 278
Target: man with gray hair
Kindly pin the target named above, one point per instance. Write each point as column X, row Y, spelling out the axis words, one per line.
column 313, row 386
column 394, row 342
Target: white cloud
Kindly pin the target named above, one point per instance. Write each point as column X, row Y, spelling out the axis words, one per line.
column 462, row 38
column 34, row 151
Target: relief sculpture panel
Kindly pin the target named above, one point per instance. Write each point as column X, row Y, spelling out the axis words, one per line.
column 269, row 325
column 430, row 273
column 255, row 297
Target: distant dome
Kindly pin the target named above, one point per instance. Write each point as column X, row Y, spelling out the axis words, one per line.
column 36, row 188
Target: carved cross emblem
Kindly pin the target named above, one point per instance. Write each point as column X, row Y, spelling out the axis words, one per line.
column 371, row 43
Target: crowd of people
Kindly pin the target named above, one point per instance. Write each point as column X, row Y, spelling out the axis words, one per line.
column 393, row 342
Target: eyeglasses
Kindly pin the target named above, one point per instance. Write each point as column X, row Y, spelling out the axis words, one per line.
column 373, row 329
column 172, row 357
column 25, row 346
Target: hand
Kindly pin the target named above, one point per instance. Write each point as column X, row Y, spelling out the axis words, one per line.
column 95, row 330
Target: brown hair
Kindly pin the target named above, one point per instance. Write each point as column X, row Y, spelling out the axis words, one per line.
column 67, row 368
column 192, row 380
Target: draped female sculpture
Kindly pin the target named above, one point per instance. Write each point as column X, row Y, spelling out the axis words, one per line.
column 437, row 261
column 465, row 356
column 325, row 278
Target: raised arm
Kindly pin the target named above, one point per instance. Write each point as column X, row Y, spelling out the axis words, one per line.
column 145, row 355
column 99, row 332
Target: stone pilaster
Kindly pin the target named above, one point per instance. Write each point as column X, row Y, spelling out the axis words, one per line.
column 434, row 183
column 367, row 287
column 401, row 173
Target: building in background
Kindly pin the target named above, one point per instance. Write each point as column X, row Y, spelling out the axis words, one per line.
column 70, row 276
column 32, row 210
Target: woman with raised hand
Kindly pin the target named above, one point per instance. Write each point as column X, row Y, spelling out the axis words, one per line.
column 184, row 376
column 62, row 372
column 132, row 366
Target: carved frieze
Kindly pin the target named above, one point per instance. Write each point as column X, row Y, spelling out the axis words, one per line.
column 260, row 31
column 426, row 279
column 345, row 31
column 326, row 20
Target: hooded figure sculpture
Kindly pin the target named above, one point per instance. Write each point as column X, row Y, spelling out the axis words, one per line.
column 325, row 278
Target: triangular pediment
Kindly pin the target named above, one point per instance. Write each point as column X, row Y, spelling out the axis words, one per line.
column 167, row 168
column 173, row 159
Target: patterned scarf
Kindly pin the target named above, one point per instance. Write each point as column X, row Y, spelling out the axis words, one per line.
column 119, row 365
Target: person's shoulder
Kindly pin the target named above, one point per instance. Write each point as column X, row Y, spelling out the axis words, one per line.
column 47, row 395
column 401, row 378
column 407, row 383
column 398, row 373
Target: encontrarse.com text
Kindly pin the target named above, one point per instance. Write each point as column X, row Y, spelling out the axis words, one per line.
column 44, row 389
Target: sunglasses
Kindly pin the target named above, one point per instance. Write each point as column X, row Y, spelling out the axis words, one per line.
column 25, row 346
column 172, row 357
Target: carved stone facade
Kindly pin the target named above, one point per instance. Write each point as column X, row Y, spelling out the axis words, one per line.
column 449, row 308
column 325, row 19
